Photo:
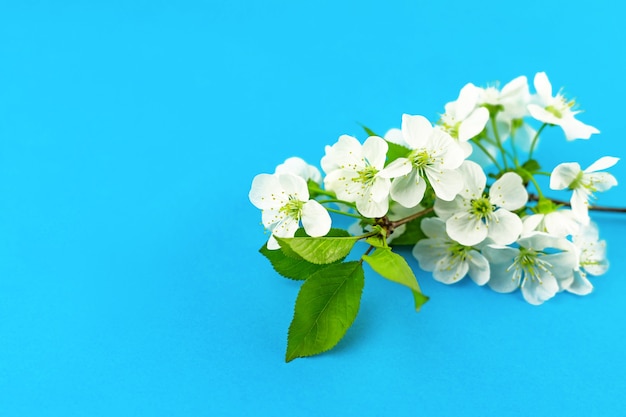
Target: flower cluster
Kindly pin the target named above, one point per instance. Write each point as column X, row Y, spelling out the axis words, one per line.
column 465, row 179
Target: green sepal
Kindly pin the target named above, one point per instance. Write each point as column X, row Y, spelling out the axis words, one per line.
column 326, row 307
column 395, row 268
column 369, row 131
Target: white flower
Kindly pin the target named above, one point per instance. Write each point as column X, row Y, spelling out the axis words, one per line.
column 434, row 157
column 284, row 201
column 472, row 215
column 511, row 101
column 449, row 261
column 559, row 223
column 355, row 173
column 462, row 118
column 557, row 110
column 537, row 266
column 394, row 135
column 299, row 167
column 583, row 183
column 592, row 259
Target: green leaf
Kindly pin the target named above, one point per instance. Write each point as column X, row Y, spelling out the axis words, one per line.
column 290, row 267
column 317, row 250
column 327, row 304
column 334, row 232
column 395, row 151
column 395, row 268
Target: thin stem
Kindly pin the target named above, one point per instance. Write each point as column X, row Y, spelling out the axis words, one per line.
column 336, row 200
column 534, row 142
column 489, row 155
column 356, row 216
column 534, row 197
column 515, row 158
column 405, row 220
column 367, row 252
column 498, row 141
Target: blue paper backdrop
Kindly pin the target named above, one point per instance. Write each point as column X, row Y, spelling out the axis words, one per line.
column 130, row 282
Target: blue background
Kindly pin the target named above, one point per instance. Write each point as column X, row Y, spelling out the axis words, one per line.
column 130, row 282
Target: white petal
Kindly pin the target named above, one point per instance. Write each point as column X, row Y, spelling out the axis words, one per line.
column 372, row 209
column 315, row 219
column 536, row 293
column 561, row 223
column 468, row 98
column 434, row 227
column 543, row 115
column 543, row 86
column 445, row 209
column 379, row 190
column 272, row 243
column 474, row 124
column 446, row 183
column 532, row 223
column 502, row 275
column 580, row 285
column 475, row 180
column 408, row 190
column 428, row 252
column 509, row 192
column 415, row 130
column 602, row 164
column 397, row 168
column 294, row 186
column 375, row 151
column 575, row 129
column 505, row 227
column 298, row 166
column 602, row 181
column 479, row 270
column 449, row 270
column 563, row 175
column 580, row 206
column 394, row 135
column 286, row 227
column 263, row 186
column 466, row 229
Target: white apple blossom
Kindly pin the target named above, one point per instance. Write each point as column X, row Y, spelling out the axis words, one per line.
column 284, row 203
column 448, row 260
column 560, row 223
column 356, row 173
column 434, row 157
column 592, row 259
column 556, row 110
column 536, row 266
column 463, row 119
column 473, row 215
column 511, row 101
column 583, row 183
column 297, row 166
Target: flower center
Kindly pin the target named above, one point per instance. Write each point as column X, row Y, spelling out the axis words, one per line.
column 482, row 208
column 420, row 158
column 560, row 106
column 293, row 208
column 528, row 264
column 366, row 176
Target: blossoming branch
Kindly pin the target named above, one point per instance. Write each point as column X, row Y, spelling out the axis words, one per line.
column 464, row 192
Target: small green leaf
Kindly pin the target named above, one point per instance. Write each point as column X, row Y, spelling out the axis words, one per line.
column 289, row 267
column 369, row 131
column 395, row 268
column 531, row 166
column 326, row 307
column 334, row 232
column 396, row 151
column 317, row 250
